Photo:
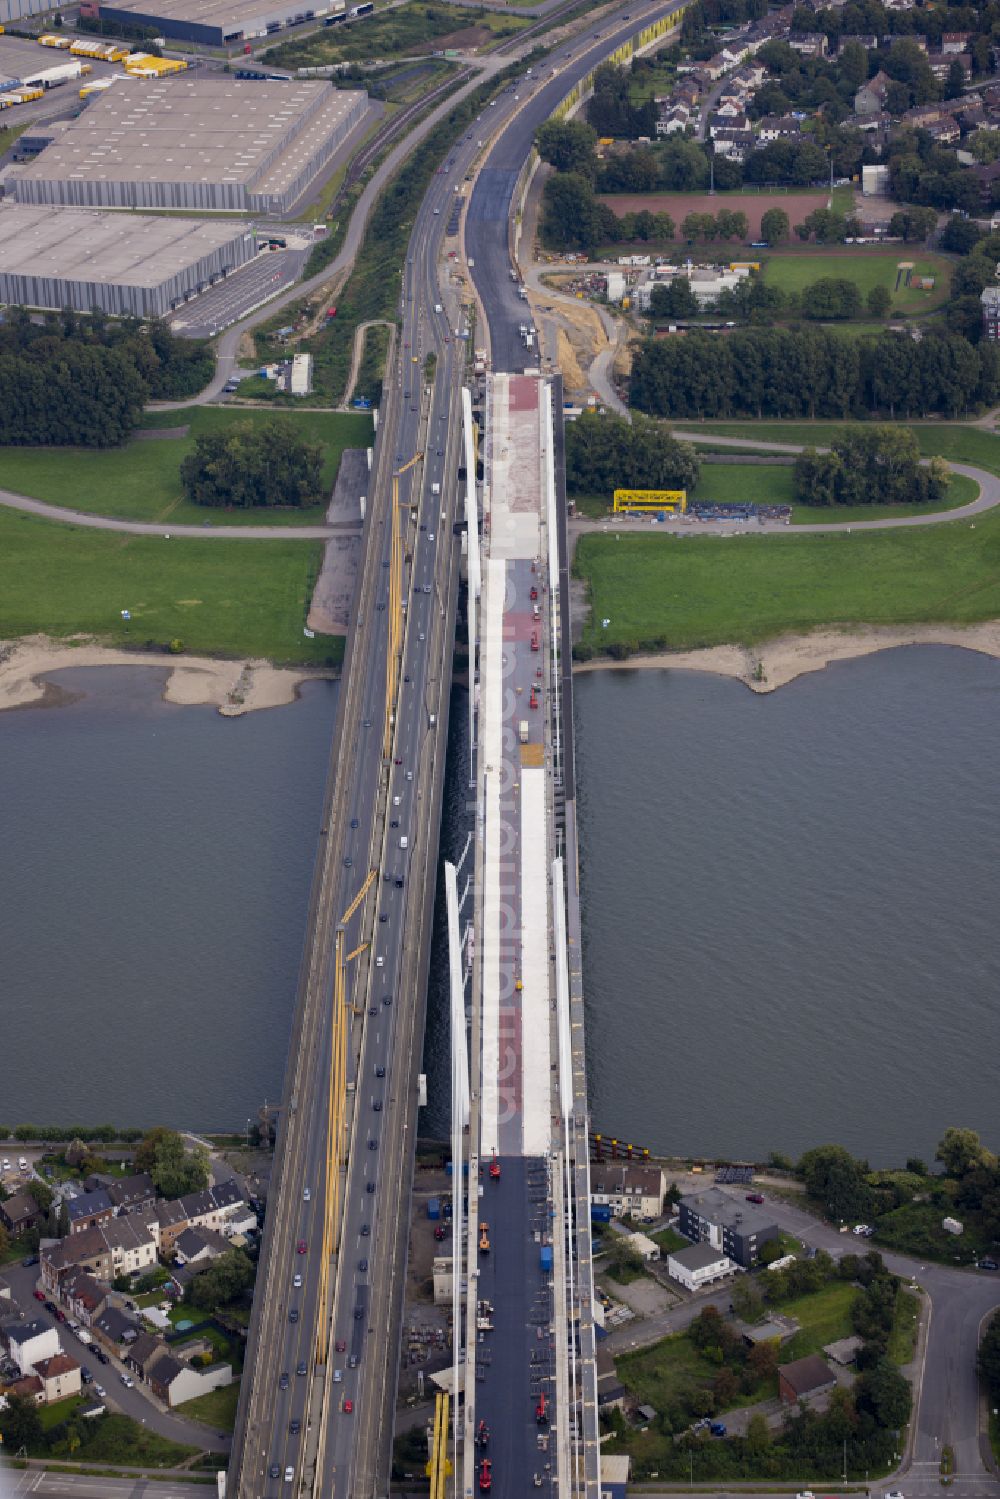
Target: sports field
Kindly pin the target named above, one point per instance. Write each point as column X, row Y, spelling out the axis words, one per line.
column 797, row 205
column 866, row 268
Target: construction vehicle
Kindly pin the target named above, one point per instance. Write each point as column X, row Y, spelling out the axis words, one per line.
column 534, row 640
column 484, row 1238
column 482, row 1435
column 485, row 1476
column 439, row 1232
column 534, row 594
column 533, row 700
column 495, row 1168
column 541, row 1411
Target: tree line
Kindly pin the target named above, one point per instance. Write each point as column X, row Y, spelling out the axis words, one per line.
column 870, row 465
column 83, row 382
column 812, row 372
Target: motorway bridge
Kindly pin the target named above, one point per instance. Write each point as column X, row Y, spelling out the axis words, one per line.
column 316, row 1407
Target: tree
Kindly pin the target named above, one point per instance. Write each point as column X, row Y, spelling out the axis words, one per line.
column 879, row 301
column 988, row 1361
column 254, row 466
column 984, row 145
column 175, row 1171
column 960, row 235
column 774, row 225
column 20, row 1424
column 568, row 145
column 224, row 1280
column 837, row 1180
column 831, row 298
column 673, row 299
column 955, row 82
column 747, row 1299
column 884, row 1393
column 4, row 1241
column 961, row 1151
column 571, row 216
column 605, row 452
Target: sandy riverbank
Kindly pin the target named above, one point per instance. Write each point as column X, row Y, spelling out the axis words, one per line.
column 766, row 667
column 234, row 687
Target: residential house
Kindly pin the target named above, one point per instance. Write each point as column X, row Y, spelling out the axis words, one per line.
column 714, row 68
column 955, row 41
column 809, row 43
column 737, row 125
column 20, row 1213
column 988, row 178
column 27, row 1342
column 239, row 1221
column 944, row 132
column 174, row 1382
column 115, row 1328
column 806, row 1379
column 131, row 1245
column 698, row 1266
column 83, row 1296
column 673, row 120
column 687, row 93
column 29, row 1387
column 199, row 1246
column 941, row 64
column 730, row 109
column 740, row 1229
column 60, row 1376
column 990, row 300
column 750, row 75
column 871, row 96
column 171, row 1220
column 734, row 144
column 628, row 1189
column 866, row 39
column 88, row 1210
column 973, row 118
column 144, row 1352
column 133, row 1194
column 778, row 127
column 87, row 1251
column 880, row 121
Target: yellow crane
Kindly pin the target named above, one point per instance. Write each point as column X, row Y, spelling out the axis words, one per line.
column 438, row 1469
column 336, row 1123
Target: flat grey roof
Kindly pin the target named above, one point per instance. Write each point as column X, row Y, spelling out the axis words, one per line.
column 79, row 245
column 718, row 1207
column 194, row 130
column 18, row 57
column 221, row 13
column 698, row 1256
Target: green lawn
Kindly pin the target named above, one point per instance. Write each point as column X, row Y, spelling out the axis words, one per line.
column 142, row 480
column 691, row 591
column 119, row 1439
column 670, row 1371
column 824, row 1316
column 952, row 440
column 669, row 1240
column 842, row 199
column 240, row 598
column 915, row 1228
column 216, row 1409
column 903, row 1338
column 866, row 268
column 391, row 32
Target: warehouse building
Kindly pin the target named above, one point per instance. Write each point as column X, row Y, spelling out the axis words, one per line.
column 127, row 265
column 205, row 143
column 12, row 11
column 215, row 23
column 23, row 62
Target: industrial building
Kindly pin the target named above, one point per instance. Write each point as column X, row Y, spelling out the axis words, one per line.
column 19, row 10
column 23, row 63
column 196, row 143
column 125, row 264
column 216, row 23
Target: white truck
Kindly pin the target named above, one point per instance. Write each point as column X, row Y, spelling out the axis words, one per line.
column 522, row 732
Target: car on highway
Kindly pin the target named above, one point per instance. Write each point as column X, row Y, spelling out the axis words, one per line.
column 289, row 1475
column 301, row 1368
column 283, row 1380
column 340, row 1345
column 377, row 1105
column 373, row 1145
column 307, row 1195
column 373, row 1011
column 365, row 1230
column 297, row 1281
column 275, row 1470
column 380, row 962
column 363, row 1266
column 387, row 1000
column 893, row 1494
column 301, row 1247
column 293, row 1314
column 384, row 916
column 380, row 1072
column 294, row 1428
column 370, row 1188
column 348, row 1407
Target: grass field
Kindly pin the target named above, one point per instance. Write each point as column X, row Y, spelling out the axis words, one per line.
column 866, row 268
column 692, row 591
column 957, row 443
column 396, row 31
column 218, row 597
column 903, row 1338
column 665, row 1374
column 142, row 480
column 217, row 1408
column 824, row 1316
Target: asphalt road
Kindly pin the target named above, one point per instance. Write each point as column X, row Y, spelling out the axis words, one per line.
column 233, row 298
column 57, row 1485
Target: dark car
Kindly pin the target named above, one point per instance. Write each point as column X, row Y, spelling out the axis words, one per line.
column 373, row 1145
column 373, row 1010
column 86, row 1376
column 293, row 1315
column 369, row 1188
column 341, row 1345
column 294, row 1428
column 274, row 1470
column 377, row 1105
column 29, row 1260
column 987, row 1264
column 359, row 1312
column 283, row 1381
column 103, row 1356
column 387, row 999
column 300, row 1367
column 50, row 1306
column 365, row 1230
column 362, row 1266
column 380, row 1072
column 754, row 1197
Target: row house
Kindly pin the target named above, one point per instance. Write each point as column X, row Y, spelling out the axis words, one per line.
column 955, row 41
column 84, row 1297
column 131, row 1244
column 628, row 1189
column 941, row 64
column 871, row 96
column 945, row 132
column 736, row 145
column 674, row 120
column 866, row 39
column 171, row 1379
column 734, row 125
column 88, row 1210
column 120, row 1246
column 778, row 128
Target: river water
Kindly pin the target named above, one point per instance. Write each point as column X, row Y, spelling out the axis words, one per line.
column 155, row 870
column 789, row 904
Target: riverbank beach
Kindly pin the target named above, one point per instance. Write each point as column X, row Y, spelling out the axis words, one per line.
column 234, row 687
column 777, row 662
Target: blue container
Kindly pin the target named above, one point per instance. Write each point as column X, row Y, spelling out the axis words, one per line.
column 545, row 1256
column 600, row 1212
column 433, row 1209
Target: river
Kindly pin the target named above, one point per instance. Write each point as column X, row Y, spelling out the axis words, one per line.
column 789, row 904
column 155, row 869
column 790, row 931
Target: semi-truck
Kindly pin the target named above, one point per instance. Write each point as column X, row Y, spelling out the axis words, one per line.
column 523, row 731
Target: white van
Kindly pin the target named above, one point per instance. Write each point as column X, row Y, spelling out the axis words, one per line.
column 404, row 842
